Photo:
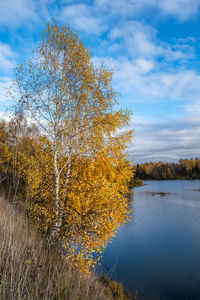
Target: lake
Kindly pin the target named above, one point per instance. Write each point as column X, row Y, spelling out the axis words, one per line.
column 157, row 253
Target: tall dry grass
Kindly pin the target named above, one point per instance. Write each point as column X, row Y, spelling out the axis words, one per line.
column 29, row 271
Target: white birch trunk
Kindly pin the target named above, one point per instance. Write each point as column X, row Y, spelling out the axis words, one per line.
column 58, row 210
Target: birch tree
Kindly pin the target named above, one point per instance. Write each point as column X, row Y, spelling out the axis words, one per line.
column 73, row 103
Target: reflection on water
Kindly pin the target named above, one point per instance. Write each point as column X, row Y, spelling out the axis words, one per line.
column 160, row 194
column 158, row 252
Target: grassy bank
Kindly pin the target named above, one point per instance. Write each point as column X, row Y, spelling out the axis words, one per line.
column 29, row 271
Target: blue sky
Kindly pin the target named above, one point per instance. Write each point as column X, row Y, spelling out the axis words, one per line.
column 154, row 48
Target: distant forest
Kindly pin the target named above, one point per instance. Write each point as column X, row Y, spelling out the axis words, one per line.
column 184, row 169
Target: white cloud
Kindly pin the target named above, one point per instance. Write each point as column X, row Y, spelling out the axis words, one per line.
column 180, row 9
column 143, row 65
column 15, row 13
column 6, row 57
column 141, row 40
column 175, row 85
column 147, row 70
column 82, row 16
column 142, row 79
column 193, row 108
column 166, row 141
column 93, row 18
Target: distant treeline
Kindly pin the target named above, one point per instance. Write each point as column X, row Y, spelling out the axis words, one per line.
column 184, row 169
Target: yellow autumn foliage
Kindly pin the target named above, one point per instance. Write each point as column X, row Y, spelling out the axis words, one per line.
column 74, row 171
column 94, row 203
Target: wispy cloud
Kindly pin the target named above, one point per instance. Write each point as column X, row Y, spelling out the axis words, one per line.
column 166, row 140
column 144, row 81
column 180, row 9
column 141, row 40
column 7, row 57
column 83, row 17
column 15, row 13
column 175, row 85
column 91, row 17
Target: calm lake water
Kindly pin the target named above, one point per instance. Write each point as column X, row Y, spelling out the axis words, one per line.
column 158, row 252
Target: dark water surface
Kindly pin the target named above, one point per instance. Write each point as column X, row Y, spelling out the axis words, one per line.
column 158, row 252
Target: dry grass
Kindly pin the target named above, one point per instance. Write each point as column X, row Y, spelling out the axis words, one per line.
column 28, row 271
